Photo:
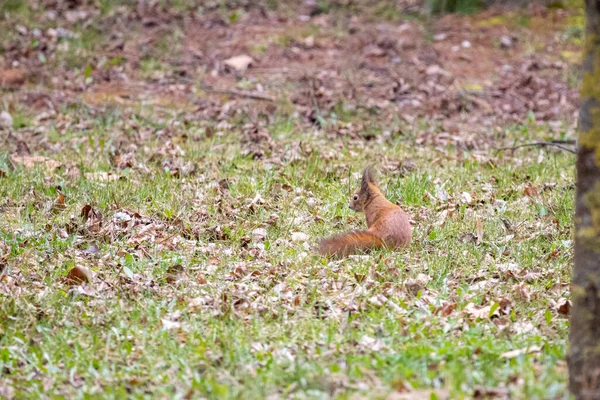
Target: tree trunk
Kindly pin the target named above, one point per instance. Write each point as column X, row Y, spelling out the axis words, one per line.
column 584, row 352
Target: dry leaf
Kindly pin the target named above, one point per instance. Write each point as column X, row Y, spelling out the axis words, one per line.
column 466, row 198
column 91, row 250
column 421, row 394
column 299, row 237
column 481, row 392
column 32, row 161
column 78, row 275
column 445, row 310
column 239, row 63
column 530, row 190
column 522, row 291
column 413, row 286
column 59, row 203
column 6, row 120
column 172, row 272
column 482, row 312
column 437, row 70
column 563, row 306
column 92, row 218
column 518, row 352
column 12, row 77
column 479, row 230
column 168, row 325
column 101, row 176
column 259, row 235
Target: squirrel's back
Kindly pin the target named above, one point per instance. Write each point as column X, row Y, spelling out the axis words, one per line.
column 393, row 227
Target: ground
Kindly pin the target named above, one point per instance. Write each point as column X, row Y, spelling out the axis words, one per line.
column 168, row 168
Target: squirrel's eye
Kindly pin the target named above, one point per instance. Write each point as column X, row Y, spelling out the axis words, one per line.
column 355, row 197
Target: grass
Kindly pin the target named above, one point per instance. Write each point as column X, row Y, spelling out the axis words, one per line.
column 188, row 298
column 451, row 6
column 248, row 322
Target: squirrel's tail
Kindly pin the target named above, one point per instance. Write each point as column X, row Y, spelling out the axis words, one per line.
column 349, row 243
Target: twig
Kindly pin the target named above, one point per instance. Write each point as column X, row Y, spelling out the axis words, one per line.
column 240, row 93
column 557, row 144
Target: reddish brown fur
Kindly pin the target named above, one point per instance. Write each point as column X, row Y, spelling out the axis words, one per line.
column 388, row 224
column 349, row 243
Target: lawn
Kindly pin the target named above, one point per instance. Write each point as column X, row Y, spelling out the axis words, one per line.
column 192, row 210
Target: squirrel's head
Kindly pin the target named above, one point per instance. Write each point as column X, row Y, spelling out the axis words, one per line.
column 363, row 195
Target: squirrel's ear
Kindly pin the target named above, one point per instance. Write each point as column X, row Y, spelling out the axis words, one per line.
column 366, row 179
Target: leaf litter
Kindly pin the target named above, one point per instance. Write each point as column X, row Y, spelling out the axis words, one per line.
column 222, row 239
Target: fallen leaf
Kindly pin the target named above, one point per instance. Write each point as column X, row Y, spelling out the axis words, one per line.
column 522, row 291
column 309, row 42
column 78, row 275
column 259, row 234
column 445, row 310
column 172, row 272
column 481, row 392
column 92, row 219
column 413, row 286
column 6, row 391
column 437, row 70
column 6, row 120
column 12, row 77
column 59, row 203
column 169, row 325
column 370, row 343
column 239, row 63
column 518, row 352
column 423, row 278
column 466, row 198
column 299, row 237
column 92, row 249
column 563, row 306
column 421, row 394
column 482, row 312
column 32, row 161
column 530, row 190
column 101, row 176
column 479, row 230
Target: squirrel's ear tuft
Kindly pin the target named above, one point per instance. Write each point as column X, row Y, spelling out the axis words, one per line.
column 368, row 177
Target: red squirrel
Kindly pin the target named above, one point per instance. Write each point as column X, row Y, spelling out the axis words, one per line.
column 388, row 225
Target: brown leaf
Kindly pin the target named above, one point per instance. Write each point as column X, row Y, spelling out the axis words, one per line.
column 59, row 203
column 522, row 291
column 479, row 230
column 481, row 392
column 530, row 190
column 563, row 306
column 445, row 310
column 12, row 77
column 402, row 386
column 78, row 275
column 482, row 312
column 172, row 272
column 413, row 286
column 92, row 218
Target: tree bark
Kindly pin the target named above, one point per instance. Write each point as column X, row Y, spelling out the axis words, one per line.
column 584, row 352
